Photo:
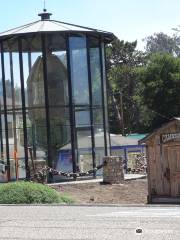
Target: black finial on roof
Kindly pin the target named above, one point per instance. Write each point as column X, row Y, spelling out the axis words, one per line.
column 45, row 15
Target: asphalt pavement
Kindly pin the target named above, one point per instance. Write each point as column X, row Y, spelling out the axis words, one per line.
column 90, row 222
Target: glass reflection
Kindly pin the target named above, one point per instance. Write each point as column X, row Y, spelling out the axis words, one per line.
column 82, row 117
column 79, row 70
column 58, row 98
column 84, row 143
column 96, row 76
column 36, row 114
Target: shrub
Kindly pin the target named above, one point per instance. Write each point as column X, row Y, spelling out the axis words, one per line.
column 28, row 193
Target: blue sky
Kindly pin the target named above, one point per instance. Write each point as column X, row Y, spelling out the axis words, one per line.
column 127, row 19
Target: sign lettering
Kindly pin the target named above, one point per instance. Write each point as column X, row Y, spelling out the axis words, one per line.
column 170, row 137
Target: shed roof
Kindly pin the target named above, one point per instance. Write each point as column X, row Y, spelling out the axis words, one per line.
column 145, row 139
column 116, row 140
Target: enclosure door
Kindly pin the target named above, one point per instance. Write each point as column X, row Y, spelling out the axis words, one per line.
column 174, row 166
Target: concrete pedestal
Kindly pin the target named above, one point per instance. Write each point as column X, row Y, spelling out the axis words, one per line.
column 113, row 170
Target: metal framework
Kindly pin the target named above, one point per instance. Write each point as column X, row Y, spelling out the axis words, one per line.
column 30, row 104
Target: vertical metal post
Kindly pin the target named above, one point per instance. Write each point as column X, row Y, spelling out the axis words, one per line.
column 91, row 103
column 5, row 111
column 107, row 96
column 103, row 100
column 29, row 61
column 23, row 109
column 46, row 95
column 71, row 107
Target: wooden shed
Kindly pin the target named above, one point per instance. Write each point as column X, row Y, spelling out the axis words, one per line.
column 163, row 160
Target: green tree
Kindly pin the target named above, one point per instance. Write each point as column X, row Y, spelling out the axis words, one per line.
column 123, row 59
column 159, row 89
column 160, row 42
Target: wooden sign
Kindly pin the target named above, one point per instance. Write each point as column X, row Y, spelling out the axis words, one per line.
column 168, row 137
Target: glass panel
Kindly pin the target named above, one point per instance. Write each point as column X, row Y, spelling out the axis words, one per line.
column 60, row 133
column 3, row 161
column 97, row 97
column 37, row 141
column 35, row 109
column 98, row 116
column 99, row 145
column 95, row 72
column 8, row 81
column 82, row 118
column 63, row 144
column 35, row 112
column 84, row 150
column 15, row 129
column 16, row 146
column 64, row 161
column 58, row 103
column 99, row 136
column 17, row 83
column 79, row 70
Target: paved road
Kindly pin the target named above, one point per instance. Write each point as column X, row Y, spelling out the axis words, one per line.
column 75, row 223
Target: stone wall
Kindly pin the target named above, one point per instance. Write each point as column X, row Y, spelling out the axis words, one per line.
column 113, row 170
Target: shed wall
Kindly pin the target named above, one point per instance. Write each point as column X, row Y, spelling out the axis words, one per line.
column 157, row 160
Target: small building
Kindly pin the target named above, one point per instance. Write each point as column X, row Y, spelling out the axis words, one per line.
column 125, row 147
column 163, row 162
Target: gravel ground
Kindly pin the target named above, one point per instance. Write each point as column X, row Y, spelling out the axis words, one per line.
column 130, row 192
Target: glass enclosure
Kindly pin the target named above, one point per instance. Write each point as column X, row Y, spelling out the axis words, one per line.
column 53, row 103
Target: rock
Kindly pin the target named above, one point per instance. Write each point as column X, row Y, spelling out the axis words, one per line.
column 92, row 198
